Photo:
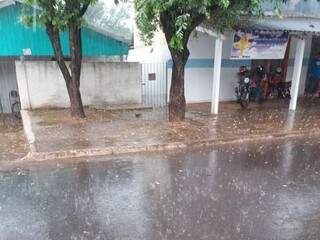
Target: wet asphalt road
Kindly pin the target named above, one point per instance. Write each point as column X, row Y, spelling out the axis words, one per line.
column 257, row 191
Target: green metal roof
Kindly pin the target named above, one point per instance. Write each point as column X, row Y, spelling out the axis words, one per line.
column 114, row 35
column 15, row 37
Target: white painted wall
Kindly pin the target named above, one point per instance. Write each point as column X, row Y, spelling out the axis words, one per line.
column 41, row 84
column 198, row 84
column 150, row 54
column 201, row 45
column 198, row 81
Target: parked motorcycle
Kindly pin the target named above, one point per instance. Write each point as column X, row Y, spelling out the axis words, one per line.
column 250, row 86
column 271, row 84
column 275, row 87
column 258, row 79
column 284, row 90
column 243, row 90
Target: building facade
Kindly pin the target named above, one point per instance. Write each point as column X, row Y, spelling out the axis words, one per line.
column 32, row 43
column 299, row 18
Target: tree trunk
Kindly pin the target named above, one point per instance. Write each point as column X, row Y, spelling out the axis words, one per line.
column 72, row 79
column 76, row 105
column 177, row 101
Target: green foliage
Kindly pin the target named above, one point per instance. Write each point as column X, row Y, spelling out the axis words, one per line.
column 178, row 18
column 59, row 13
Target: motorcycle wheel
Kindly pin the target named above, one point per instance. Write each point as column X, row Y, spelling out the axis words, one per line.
column 244, row 100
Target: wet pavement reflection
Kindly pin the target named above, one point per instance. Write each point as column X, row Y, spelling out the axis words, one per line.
column 257, row 191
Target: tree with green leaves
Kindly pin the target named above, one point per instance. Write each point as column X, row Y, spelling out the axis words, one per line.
column 178, row 19
column 58, row 16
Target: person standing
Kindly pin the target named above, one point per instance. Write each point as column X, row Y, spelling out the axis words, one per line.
column 314, row 75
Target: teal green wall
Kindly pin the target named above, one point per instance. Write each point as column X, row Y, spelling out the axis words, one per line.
column 14, row 37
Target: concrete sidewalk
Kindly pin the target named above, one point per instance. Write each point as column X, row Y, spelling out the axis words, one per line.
column 55, row 135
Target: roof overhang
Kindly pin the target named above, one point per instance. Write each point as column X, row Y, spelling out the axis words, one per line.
column 6, row 3
column 290, row 24
column 109, row 34
column 293, row 8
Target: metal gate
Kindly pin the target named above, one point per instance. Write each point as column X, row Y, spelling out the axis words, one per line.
column 8, row 83
column 154, row 84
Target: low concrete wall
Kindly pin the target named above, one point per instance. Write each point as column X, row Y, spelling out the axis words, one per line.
column 41, row 84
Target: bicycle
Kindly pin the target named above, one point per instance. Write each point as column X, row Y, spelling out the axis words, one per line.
column 15, row 103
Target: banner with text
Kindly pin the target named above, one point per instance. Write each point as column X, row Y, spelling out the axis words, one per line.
column 259, row 45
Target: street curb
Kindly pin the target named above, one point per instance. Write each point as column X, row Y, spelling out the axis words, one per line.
column 119, row 108
column 77, row 153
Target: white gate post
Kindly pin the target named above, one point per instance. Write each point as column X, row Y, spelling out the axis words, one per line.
column 216, row 75
column 298, row 61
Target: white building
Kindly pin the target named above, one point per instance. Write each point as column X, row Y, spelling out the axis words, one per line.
column 200, row 66
column 199, row 69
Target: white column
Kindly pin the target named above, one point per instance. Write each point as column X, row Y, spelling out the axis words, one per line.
column 297, row 73
column 23, row 85
column 216, row 75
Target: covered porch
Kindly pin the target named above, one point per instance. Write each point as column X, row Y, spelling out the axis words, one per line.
column 299, row 30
